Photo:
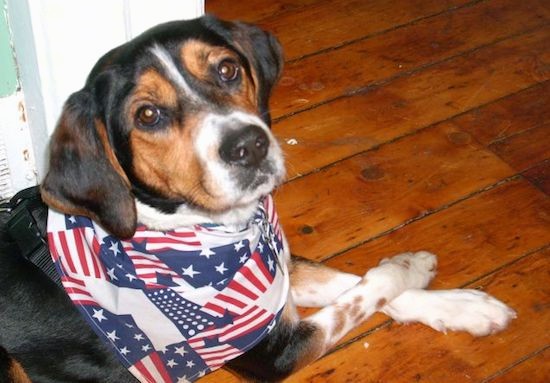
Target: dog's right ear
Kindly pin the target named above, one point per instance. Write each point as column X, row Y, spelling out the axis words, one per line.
column 84, row 176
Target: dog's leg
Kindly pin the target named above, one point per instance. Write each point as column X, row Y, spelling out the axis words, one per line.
column 316, row 285
column 459, row 310
column 295, row 343
column 379, row 286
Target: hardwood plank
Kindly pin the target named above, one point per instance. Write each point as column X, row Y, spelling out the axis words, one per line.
column 517, row 113
column 368, row 194
column 220, row 376
column 255, row 10
column 539, row 175
column 535, row 369
column 353, row 124
column 296, row 23
column 525, row 149
column 343, row 21
column 347, row 69
column 416, row 353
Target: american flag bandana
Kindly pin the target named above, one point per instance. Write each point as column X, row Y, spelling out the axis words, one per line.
column 179, row 304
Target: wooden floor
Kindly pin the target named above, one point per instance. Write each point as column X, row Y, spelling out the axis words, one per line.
column 419, row 124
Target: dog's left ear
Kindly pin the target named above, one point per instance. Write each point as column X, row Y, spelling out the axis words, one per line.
column 265, row 54
column 261, row 49
column 264, row 50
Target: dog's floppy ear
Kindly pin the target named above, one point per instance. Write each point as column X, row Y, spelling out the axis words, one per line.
column 265, row 54
column 261, row 49
column 84, row 176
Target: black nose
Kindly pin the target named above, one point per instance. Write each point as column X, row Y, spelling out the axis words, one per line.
column 245, row 147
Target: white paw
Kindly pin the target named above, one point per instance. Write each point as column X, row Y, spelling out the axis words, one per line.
column 470, row 310
column 421, row 267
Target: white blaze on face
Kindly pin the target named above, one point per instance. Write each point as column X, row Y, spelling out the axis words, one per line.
column 173, row 72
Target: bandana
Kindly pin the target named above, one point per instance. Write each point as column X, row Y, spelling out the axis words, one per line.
column 179, row 304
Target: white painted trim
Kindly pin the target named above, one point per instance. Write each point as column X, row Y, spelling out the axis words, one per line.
column 27, row 64
column 58, row 41
column 18, row 151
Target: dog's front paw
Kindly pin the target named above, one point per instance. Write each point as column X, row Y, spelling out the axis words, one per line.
column 470, row 310
column 420, row 266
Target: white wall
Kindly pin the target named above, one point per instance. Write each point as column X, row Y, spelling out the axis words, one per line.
column 58, row 41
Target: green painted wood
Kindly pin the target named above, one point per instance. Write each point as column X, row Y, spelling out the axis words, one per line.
column 8, row 70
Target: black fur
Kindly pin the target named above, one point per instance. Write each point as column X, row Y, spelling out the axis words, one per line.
column 274, row 357
column 42, row 329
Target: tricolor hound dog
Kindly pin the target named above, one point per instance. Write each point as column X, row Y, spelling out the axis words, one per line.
column 163, row 231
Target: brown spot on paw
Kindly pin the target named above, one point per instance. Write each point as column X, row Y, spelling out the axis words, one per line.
column 381, row 303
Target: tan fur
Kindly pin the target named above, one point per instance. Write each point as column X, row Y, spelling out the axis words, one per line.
column 355, row 312
column 199, row 58
column 17, row 374
column 166, row 161
column 342, row 315
column 303, row 273
column 194, row 55
column 59, row 205
column 154, row 88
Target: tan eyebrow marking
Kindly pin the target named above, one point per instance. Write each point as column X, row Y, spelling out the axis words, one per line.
column 198, row 58
column 153, row 86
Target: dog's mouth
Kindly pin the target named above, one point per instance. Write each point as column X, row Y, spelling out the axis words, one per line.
column 235, row 185
column 241, row 158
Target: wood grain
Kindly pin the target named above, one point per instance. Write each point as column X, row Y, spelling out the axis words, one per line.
column 281, row 16
column 353, row 124
column 302, row 34
column 368, row 194
column 539, row 175
column 525, row 149
column 256, row 10
column 352, row 67
column 514, row 114
column 532, row 370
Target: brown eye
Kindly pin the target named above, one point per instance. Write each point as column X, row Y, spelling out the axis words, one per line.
column 148, row 116
column 228, row 70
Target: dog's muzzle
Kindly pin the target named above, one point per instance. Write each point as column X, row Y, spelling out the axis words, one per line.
column 246, row 147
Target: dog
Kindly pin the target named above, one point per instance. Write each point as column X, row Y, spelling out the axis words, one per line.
column 165, row 157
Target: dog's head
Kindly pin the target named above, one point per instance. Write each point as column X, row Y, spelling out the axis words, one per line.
column 176, row 117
